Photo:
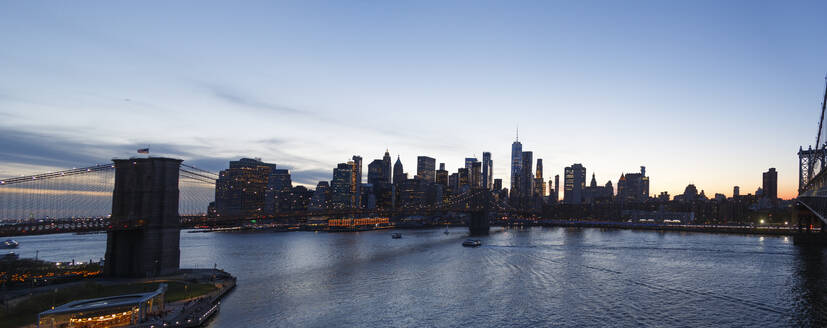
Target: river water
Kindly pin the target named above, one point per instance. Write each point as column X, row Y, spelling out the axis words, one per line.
column 562, row 277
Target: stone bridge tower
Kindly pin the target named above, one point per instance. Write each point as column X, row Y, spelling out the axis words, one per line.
column 143, row 241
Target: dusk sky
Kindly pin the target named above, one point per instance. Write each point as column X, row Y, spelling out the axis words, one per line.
column 705, row 92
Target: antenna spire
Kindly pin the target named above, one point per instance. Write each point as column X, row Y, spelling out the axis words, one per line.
column 518, row 132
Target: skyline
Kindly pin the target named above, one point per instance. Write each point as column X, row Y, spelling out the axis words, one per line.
column 688, row 90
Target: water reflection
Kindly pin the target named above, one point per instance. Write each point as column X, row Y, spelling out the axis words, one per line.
column 810, row 289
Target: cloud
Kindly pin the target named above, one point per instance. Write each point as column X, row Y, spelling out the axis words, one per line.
column 234, row 97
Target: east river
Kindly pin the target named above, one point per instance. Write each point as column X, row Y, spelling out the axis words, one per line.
column 562, row 277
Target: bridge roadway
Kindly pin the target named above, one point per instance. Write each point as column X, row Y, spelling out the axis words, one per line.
column 75, row 225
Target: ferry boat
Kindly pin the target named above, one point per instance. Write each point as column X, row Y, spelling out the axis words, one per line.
column 396, row 235
column 9, row 243
column 472, row 243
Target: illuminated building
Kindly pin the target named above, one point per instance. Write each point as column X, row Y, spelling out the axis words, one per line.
column 574, row 179
column 241, row 189
column 475, row 175
column 487, row 171
column 115, row 311
column 278, row 183
column 633, row 186
column 442, row 176
column 426, row 168
column 539, row 184
column 356, row 181
column 321, row 196
column 357, row 222
column 340, row 187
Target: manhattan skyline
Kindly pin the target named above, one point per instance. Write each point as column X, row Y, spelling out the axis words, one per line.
column 688, row 90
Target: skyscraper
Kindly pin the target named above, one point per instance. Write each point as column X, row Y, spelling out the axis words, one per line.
column 341, row 187
column 575, row 181
column 442, row 175
column 387, row 166
column 539, row 184
column 243, row 188
column 770, row 184
column 497, row 185
column 356, row 180
column 633, row 186
column 376, row 172
column 556, row 187
column 516, row 168
column 476, row 175
column 398, row 174
column 736, row 192
column 425, row 169
column 487, row 171
column 527, row 176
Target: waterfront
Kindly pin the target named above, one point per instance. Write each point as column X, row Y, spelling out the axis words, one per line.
column 534, row 276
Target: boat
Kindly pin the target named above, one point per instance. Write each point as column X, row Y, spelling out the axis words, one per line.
column 396, row 235
column 472, row 243
column 9, row 243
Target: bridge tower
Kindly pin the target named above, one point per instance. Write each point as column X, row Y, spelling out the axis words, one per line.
column 143, row 241
column 480, row 209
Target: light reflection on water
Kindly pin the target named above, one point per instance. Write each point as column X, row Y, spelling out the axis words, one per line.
column 519, row 277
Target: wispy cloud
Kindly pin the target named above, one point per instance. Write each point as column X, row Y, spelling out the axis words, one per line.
column 232, row 96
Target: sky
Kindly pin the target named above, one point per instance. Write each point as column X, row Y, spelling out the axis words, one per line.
column 705, row 92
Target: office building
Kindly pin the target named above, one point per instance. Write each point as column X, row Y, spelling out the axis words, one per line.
column 770, row 184
column 633, row 186
column 487, row 171
column 426, row 169
column 575, row 181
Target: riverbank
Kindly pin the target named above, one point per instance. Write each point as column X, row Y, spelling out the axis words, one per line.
column 730, row 229
column 192, row 296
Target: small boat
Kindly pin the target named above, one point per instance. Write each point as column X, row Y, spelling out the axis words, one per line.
column 396, row 235
column 9, row 243
column 472, row 243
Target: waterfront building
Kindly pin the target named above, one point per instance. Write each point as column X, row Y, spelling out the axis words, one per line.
column 770, row 184
column 487, row 171
column 130, row 310
column 426, row 168
column 398, row 173
column 340, row 187
column 278, row 182
column 321, row 196
column 575, row 181
column 633, row 186
column 241, row 190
